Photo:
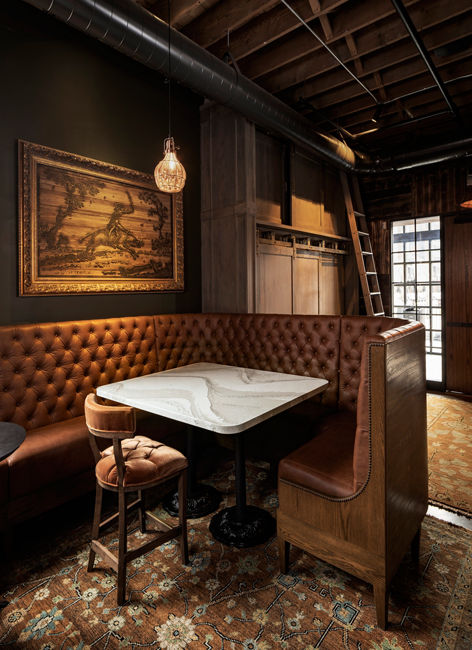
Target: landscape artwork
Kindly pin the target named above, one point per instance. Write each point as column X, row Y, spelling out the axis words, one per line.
column 90, row 227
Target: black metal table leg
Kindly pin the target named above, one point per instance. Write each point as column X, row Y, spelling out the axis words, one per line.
column 242, row 525
column 201, row 499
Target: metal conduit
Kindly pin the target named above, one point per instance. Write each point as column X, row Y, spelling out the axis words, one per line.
column 133, row 31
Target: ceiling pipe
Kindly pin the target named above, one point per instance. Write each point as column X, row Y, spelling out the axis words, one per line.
column 416, row 38
column 133, row 31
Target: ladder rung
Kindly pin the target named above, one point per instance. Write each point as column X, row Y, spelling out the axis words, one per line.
column 375, row 293
column 363, row 234
column 358, row 214
column 380, row 313
column 366, row 253
column 371, row 272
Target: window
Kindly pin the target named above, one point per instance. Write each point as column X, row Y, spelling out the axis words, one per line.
column 416, row 283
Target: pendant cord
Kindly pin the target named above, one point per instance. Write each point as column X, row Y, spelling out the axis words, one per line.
column 169, row 78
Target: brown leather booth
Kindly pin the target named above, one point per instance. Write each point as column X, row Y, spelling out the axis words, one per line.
column 47, row 370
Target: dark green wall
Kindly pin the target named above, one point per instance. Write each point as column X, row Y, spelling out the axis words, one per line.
column 65, row 90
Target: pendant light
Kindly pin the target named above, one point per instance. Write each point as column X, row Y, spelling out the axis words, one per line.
column 169, row 174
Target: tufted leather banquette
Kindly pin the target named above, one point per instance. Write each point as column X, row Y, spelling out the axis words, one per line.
column 47, row 370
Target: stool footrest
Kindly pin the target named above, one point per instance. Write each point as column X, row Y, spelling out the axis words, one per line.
column 105, row 554
column 111, row 518
column 158, row 540
column 161, row 525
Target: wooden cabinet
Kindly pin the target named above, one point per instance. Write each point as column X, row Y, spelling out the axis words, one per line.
column 274, row 266
column 305, row 283
column 251, row 260
column 294, row 277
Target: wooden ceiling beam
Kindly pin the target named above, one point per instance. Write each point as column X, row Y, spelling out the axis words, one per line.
column 303, row 43
column 182, row 12
column 344, row 113
column 399, row 79
column 213, row 25
column 419, row 105
column 380, row 86
column 402, row 134
column 311, row 72
column 351, row 44
column 269, row 27
column 326, row 27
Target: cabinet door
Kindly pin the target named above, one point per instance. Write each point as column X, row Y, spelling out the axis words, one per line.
column 331, row 284
column 306, row 283
column 274, row 279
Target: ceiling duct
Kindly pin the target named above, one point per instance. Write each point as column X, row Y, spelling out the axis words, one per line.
column 133, row 31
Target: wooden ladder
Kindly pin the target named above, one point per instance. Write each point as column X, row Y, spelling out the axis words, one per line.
column 362, row 246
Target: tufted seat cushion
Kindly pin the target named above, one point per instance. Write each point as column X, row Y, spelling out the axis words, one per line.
column 146, row 461
column 325, row 464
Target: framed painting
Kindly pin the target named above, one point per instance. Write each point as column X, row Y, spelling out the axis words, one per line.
column 89, row 227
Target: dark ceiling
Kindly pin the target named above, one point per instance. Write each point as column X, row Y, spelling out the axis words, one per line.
column 271, row 46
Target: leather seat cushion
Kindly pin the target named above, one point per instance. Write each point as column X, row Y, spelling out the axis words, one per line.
column 325, row 463
column 146, row 461
column 48, row 455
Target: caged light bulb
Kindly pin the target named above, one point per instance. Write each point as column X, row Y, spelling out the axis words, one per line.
column 170, row 173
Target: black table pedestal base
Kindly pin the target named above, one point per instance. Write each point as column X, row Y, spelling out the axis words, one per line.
column 255, row 527
column 203, row 500
column 3, row 603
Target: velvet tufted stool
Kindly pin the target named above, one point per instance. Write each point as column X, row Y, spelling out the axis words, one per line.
column 131, row 464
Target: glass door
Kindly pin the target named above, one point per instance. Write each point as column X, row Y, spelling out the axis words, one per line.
column 416, row 284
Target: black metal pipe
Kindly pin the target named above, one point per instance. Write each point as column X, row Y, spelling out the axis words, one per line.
column 132, row 30
column 416, row 38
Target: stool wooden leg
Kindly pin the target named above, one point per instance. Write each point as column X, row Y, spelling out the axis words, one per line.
column 97, row 515
column 122, row 547
column 381, row 593
column 142, row 512
column 183, row 516
column 284, row 554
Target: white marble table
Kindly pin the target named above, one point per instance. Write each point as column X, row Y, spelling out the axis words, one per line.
column 228, row 400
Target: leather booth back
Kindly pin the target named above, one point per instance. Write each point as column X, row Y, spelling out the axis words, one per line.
column 354, row 330
column 47, row 369
column 302, row 345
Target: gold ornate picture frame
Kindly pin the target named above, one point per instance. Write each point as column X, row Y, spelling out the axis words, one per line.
column 89, row 227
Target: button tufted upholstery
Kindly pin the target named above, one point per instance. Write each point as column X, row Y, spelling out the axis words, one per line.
column 301, row 345
column 354, row 330
column 146, row 461
column 47, row 370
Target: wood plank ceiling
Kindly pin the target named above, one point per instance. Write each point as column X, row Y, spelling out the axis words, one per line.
column 271, row 46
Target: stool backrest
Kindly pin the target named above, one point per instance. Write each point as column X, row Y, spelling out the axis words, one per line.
column 112, row 422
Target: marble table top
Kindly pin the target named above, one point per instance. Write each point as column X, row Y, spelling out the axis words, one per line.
column 225, row 399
